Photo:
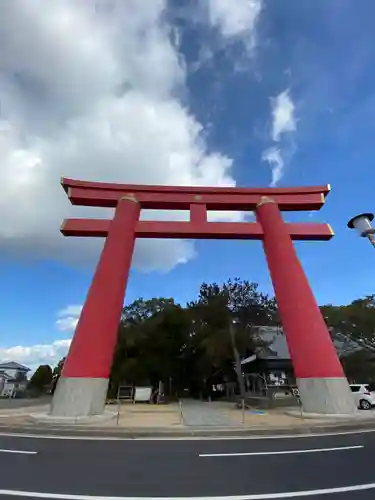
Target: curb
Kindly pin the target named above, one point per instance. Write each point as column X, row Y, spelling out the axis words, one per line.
column 160, row 433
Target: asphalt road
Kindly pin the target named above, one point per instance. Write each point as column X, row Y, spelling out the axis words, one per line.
column 253, row 469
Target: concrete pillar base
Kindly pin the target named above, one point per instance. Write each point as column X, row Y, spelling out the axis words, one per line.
column 79, row 397
column 326, row 396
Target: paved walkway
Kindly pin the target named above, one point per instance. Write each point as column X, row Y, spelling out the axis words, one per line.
column 12, row 404
column 197, row 417
column 202, row 414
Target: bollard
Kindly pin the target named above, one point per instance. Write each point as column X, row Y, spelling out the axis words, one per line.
column 300, row 407
column 180, row 409
column 295, row 393
column 118, row 411
column 243, row 411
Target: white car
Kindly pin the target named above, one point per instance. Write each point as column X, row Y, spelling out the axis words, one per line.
column 364, row 395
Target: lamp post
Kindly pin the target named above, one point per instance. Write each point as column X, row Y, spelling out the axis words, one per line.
column 362, row 223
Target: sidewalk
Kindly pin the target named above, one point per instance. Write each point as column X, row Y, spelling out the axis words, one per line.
column 137, row 420
column 169, row 416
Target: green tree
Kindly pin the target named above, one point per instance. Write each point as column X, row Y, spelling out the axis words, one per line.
column 58, row 368
column 353, row 323
column 353, row 329
column 225, row 319
column 41, row 378
column 141, row 310
column 160, row 340
column 359, row 366
column 150, row 343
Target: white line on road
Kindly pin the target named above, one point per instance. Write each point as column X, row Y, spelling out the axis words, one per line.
column 22, row 452
column 284, row 452
column 259, row 496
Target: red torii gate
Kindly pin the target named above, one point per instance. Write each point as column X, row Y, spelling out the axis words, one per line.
column 81, row 390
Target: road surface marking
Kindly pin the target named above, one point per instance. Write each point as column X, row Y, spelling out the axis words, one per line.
column 182, row 438
column 22, row 452
column 284, row 452
column 259, row 496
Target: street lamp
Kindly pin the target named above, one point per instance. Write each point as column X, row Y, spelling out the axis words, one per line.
column 362, row 223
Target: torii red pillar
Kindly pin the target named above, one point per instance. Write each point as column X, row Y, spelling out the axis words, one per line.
column 83, row 384
column 81, row 390
column 320, row 377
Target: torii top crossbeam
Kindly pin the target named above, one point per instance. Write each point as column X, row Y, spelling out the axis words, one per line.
column 103, row 194
column 197, row 200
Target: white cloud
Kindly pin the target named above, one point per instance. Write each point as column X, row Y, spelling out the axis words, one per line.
column 66, row 324
column 41, row 354
column 68, row 318
column 35, row 355
column 283, row 119
column 274, row 158
column 235, row 17
column 87, row 90
column 283, row 124
column 73, row 310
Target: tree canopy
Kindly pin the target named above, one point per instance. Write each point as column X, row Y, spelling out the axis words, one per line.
column 190, row 347
column 353, row 326
column 41, row 378
column 355, row 322
column 58, row 368
column 186, row 347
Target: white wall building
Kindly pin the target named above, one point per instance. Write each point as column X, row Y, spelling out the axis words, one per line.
column 13, row 378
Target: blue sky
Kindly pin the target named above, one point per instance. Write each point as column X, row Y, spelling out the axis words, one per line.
column 177, row 93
